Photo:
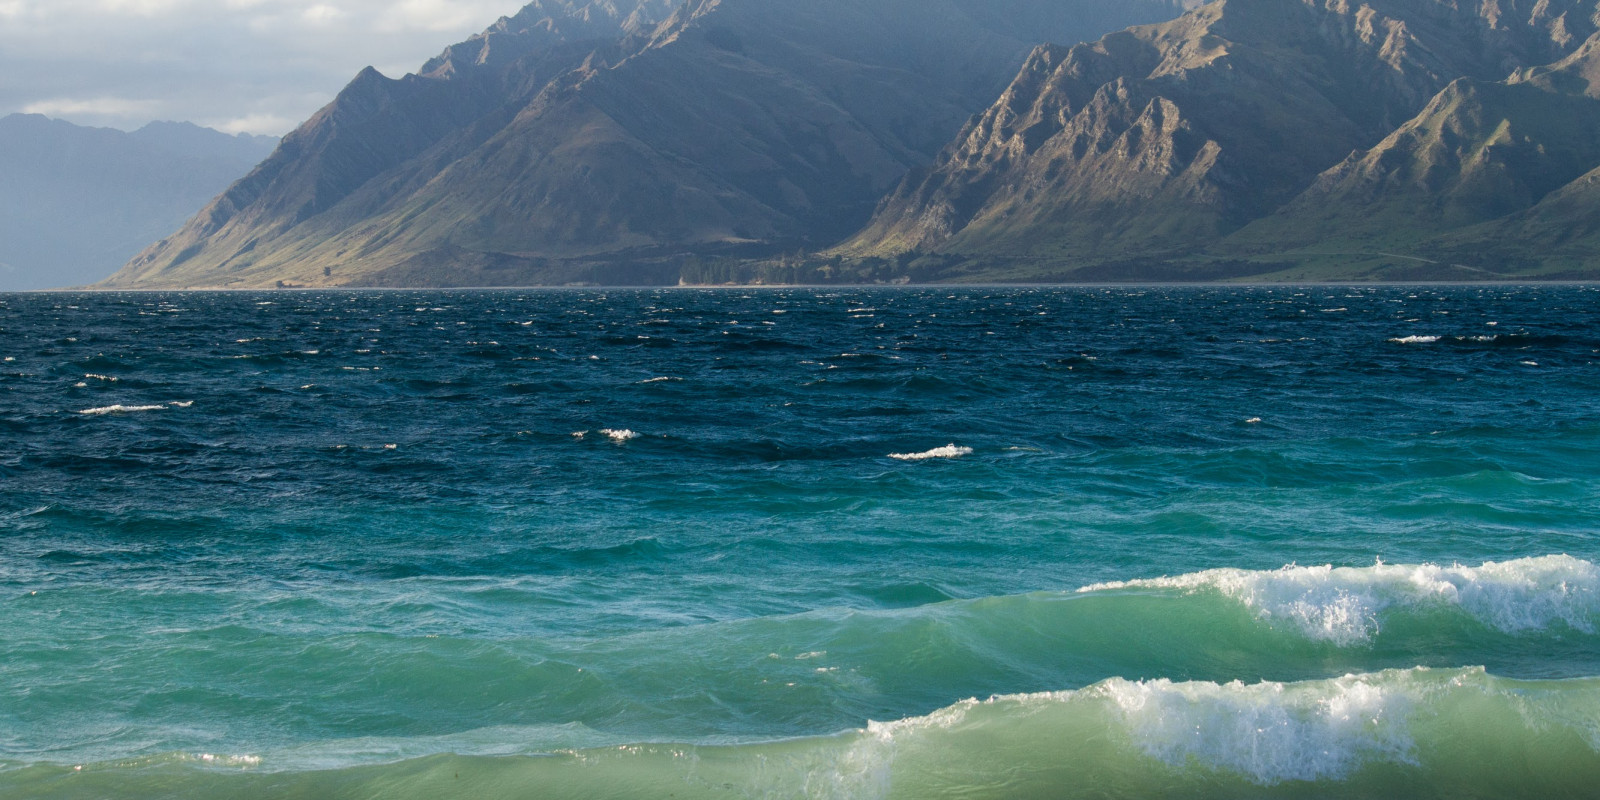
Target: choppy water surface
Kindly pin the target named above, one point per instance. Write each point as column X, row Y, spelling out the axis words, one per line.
column 1015, row 543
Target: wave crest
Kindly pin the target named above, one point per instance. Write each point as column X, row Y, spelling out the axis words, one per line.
column 1347, row 605
column 118, row 409
column 1270, row 733
column 948, row 451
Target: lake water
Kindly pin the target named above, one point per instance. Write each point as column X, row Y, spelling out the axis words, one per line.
column 918, row 543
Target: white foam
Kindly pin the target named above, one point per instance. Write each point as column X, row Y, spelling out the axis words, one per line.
column 182, row 404
column 107, row 378
column 119, row 409
column 1347, row 605
column 663, row 380
column 948, row 451
column 242, row 762
column 1269, row 733
column 1416, row 339
column 620, row 436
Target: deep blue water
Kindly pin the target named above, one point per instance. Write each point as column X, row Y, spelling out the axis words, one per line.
column 351, row 544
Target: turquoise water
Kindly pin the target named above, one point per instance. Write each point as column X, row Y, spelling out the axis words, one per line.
column 930, row 543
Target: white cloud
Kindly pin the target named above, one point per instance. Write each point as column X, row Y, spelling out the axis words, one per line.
column 432, row 15
column 260, row 66
column 93, row 107
column 141, row 8
column 254, row 123
column 323, row 14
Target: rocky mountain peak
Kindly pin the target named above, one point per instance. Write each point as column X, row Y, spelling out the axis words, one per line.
column 1577, row 74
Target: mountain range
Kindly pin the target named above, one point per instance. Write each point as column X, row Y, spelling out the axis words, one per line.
column 1277, row 140
column 650, row 142
column 604, row 142
column 76, row 203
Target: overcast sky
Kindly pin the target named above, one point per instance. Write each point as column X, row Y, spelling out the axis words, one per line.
column 256, row 66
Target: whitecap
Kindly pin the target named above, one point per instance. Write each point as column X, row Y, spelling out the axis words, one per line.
column 1269, row 733
column 662, row 380
column 1266, row 733
column 948, row 451
column 620, row 436
column 1416, row 339
column 119, row 409
column 1347, row 606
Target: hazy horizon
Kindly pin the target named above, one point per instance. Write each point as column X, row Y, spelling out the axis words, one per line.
column 238, row 66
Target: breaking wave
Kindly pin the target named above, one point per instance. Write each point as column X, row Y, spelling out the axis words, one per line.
column 1416, row 733
column 1348, row 606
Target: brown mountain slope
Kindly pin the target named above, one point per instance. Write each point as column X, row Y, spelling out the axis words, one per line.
column 1478, row 152
column 1158, row 141
column 1559, row 236
column 529, row 156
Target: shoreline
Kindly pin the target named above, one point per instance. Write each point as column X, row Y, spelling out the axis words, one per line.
column 804, row 286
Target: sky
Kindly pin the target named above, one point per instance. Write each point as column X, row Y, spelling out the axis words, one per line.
column 240, row 66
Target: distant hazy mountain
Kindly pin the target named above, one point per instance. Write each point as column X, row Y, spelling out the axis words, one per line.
column 1276, row 138
column 76, row 203
column 611, row 141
